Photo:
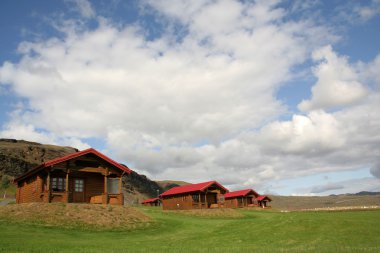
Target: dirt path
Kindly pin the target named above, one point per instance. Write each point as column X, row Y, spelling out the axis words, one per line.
column 5, row 202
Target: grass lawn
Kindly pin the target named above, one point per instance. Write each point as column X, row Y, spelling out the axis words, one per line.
column 255, row 231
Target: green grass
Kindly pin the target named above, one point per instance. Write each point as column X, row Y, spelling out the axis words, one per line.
column 256, row 231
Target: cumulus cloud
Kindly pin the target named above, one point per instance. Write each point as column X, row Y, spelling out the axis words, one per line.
column 199, row 104
column 316, row 132
column 337, row 83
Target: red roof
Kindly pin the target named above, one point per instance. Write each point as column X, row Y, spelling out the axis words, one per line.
column 260, row 198
column 191, row 188
column 240, row 193
column 71, row 156
column 150, row 201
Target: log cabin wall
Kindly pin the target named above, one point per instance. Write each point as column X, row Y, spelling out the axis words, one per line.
column 187, row 201
column 238, row 202
column 178, row 202
column 230, row 203
column 29, row 190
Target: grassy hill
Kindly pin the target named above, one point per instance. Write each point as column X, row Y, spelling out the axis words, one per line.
column 75, row 216
column 249, row 231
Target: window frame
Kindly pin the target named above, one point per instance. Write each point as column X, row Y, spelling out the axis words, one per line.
column 58, row 184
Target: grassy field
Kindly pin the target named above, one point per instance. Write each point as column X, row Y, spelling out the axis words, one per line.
column 249, row 231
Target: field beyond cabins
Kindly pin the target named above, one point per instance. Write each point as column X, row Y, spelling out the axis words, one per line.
column 241, row 230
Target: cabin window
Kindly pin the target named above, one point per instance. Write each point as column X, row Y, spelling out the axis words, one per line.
column 79, row 185
column 195, row 197
column 58, row 184
column 113, row 185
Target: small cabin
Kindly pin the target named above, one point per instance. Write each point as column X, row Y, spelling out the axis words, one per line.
column 194, row 196
column 263, row 201
column 87, row 176
column 152, row 202
column 238, row 199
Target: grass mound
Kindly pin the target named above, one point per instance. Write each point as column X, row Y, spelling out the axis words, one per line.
column 219, row 212
column 85, row 216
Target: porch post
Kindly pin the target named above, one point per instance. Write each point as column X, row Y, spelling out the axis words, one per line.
column 47, row 199
column 67, row 186
column 120, row 184
column 121, row 196
column 105, row 197
column 199, row 201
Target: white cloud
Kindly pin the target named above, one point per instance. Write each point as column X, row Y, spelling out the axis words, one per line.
column 337, row 83
column 341, row 187
column 357, row 12
column 365, row 13
column 316, row 132
column 84, row 8
column 326, row 187
column 201, row 106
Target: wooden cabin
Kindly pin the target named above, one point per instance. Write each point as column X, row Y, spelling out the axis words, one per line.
column 262, row 201
column 82, row 177
column 242, row 198
column 194, row 196
column 152, row 202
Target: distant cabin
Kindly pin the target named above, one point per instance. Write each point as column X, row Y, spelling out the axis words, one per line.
column 242, row 198
column 194, row 196
column 87, row 176
column 263, row 201
column 152, row 202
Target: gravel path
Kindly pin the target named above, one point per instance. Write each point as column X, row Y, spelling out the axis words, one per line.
column 5, row 202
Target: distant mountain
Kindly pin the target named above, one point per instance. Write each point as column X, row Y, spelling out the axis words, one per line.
column 168, row 184
column 362, row 193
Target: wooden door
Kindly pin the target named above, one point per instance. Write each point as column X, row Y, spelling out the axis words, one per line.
column 78, row 190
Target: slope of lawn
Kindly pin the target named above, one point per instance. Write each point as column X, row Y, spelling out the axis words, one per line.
column 250, row 231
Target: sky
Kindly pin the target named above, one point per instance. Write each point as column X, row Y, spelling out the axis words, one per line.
column 279, row 96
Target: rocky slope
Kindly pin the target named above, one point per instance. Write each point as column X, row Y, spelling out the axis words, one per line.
column 19, row 156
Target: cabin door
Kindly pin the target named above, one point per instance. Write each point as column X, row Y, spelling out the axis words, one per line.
column 78, row 190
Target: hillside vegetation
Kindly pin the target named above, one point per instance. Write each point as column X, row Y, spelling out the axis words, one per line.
column 18, row 156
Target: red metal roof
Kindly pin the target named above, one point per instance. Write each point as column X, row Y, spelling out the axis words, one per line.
column 240, row 193
column 260, row 198
column 150, row 201
column 191, row 188
column 71, row 156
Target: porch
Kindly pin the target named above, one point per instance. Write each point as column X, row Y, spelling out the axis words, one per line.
column 97, row 186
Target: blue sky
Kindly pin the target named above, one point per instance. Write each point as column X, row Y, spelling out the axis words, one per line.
column 280, row 96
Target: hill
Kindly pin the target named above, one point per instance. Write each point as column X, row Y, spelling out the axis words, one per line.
column 18, row 156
